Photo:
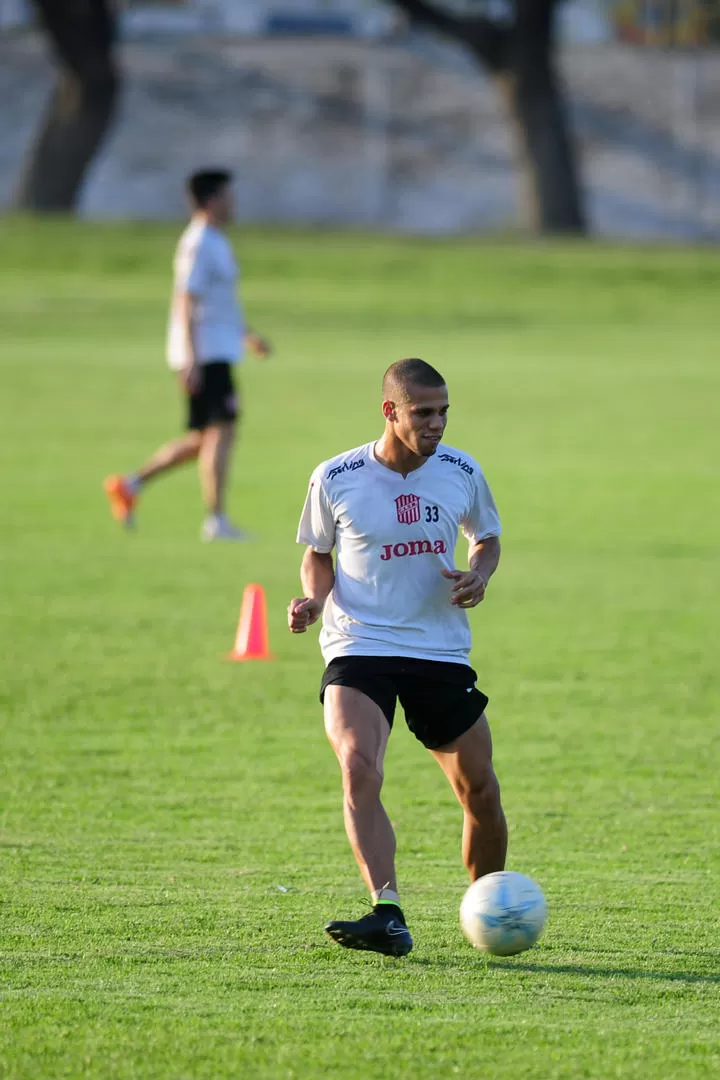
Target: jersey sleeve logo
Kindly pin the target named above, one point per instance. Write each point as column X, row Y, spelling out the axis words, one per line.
column 453, row 459
column 347, row 466
column 408, row 509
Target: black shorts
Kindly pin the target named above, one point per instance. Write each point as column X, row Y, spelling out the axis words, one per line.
column 440, row 700
column 215, row 402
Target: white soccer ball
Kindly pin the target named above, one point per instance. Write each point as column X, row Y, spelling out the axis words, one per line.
column 503, row 913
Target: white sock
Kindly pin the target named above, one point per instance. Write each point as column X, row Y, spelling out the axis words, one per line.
column 134, row 482
column 385, row 896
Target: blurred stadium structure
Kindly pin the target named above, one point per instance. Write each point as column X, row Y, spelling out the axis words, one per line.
column 338, row 112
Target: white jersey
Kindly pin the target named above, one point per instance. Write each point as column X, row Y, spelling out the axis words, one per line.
column 205, row 267
column 393, row 536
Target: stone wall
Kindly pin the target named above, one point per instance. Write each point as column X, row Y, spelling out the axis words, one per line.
column 402, row 135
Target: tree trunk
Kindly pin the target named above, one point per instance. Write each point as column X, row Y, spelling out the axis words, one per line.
column 520, row 57
column 81, row 107
column 531, row 87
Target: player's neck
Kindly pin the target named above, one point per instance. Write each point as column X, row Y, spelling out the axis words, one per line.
column 395, row 455
column 206, row 217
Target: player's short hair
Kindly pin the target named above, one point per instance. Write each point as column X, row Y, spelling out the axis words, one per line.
column 404, row 373
column 206, row 184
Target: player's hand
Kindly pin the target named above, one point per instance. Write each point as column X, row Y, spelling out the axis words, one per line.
column 191, row 378
column 303, row 612
column 258, row 346
column 469, row 588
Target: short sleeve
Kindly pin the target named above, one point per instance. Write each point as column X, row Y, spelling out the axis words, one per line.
column 482, row 519
column 192, row 271
column 317, row 522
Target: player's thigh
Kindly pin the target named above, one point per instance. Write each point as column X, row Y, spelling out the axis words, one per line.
column 356, row 726
column 467, row 760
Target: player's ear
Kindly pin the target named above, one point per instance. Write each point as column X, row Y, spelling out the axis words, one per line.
column 388, row 408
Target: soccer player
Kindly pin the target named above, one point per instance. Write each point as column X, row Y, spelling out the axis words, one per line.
column 395, row 626
column 206, row 339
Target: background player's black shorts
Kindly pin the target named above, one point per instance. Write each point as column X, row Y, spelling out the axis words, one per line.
column 215, row 401
column 440, row 700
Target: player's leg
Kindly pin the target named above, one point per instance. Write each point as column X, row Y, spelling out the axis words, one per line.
column 467, row 763
column 123, row 491
column 174, row 453
column 217, row 448
column 215, row 453
column 358, row 730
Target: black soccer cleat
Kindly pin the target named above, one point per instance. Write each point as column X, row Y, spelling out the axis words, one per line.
column 383, row 930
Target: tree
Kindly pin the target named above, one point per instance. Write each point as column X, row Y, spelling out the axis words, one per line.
column 81, row 106
column 519, row 53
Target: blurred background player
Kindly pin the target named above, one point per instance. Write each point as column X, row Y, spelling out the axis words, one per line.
column 206, row 339
column 394, row 626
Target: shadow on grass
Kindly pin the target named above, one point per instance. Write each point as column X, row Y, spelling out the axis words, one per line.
column 605, row 972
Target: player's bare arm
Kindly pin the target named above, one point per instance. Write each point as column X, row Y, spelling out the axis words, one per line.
column 470, row 585
column 190, row 374
column 317, row 574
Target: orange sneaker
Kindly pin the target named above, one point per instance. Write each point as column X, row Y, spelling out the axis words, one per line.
column 122, row 500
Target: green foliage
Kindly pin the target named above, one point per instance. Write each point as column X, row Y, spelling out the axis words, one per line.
column 155, row 796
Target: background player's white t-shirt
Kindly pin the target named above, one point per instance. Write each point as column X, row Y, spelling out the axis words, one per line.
column 393, row 536
column 205, row 266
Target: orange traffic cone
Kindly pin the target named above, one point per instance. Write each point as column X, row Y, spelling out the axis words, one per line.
column 252, row 642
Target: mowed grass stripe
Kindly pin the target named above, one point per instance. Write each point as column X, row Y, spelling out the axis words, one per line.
column 155, row 796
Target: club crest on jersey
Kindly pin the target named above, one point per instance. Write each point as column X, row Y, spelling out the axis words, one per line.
column 408, row 509
column 413, row 547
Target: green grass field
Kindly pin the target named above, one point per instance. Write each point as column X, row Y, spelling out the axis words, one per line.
column 154, row 796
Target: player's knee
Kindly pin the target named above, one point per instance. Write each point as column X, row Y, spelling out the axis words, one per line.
column 481, row 797
column 361, row 779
